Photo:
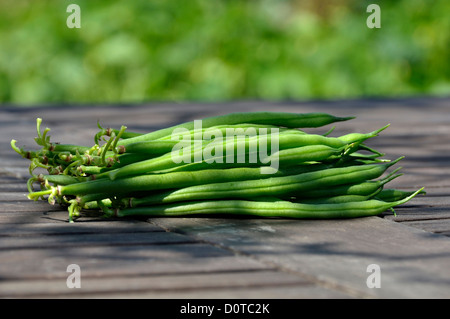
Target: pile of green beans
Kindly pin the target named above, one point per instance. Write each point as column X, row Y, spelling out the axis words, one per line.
column 132, row 174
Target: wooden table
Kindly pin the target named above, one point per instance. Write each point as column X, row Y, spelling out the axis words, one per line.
column 232, row 258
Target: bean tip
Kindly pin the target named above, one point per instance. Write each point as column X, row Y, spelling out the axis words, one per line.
column 409, row 197
column 376, row 132
column 347, row 118
column 395, row 161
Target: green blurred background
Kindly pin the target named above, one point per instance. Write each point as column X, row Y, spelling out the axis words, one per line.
column 206, row 50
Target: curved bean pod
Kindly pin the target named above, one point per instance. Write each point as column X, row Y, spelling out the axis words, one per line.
column 360, row 189
column 391, row 195
column 164, row 162
column 280, row 186
column 281, row 209
column 290, row 120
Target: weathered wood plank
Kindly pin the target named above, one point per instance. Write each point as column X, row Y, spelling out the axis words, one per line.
column 13, row 196
column 242, row 293
column 20, row 172
column 7, row 180
column 34, row 215
column 79, row 228
column 434, row 225
column 164, row 283
column 417, row 213
column 112, row 261
column 19, row 186
column 27, row 206
column 61, row 241
column 413, row 263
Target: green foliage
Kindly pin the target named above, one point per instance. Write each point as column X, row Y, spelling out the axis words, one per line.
column 203, row 50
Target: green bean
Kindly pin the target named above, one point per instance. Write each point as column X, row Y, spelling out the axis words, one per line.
column 90, row 201
column 360, row 189
column 360, row 136
column 290, row 120
column 161, row 147
column 95, row 204
column 271, row 186
column 54, row 179
column 367, row 148
column 339, row 198
column 334, row 199
column 92, row 170
column 223, row 130
column 281, row 186
column 127, row 134
column 58, row 179
column 392, row 195
column 283, row 209
column 158, row 147
column 285, row 141
column 159, row 197
column 284, row 158
column 357, row 155
column 166, row 145
column 162, row 162
column 164, row 181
